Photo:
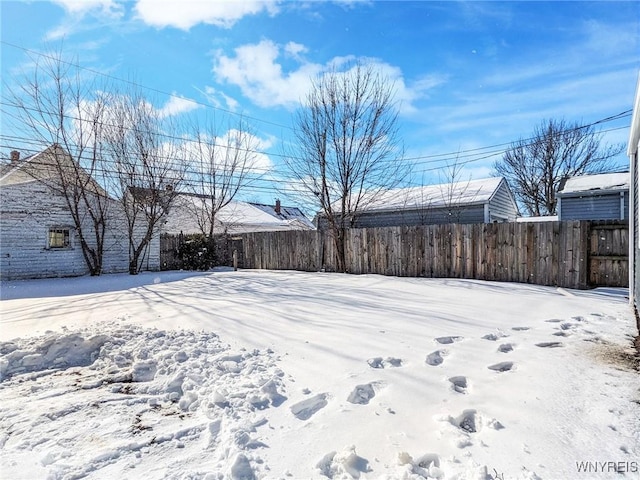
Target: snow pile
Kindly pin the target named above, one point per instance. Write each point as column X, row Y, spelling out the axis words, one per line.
column 124, row 393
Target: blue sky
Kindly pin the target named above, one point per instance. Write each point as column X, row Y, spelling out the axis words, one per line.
column 468, row 75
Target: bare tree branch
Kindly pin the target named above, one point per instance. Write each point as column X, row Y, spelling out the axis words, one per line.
column 148, row 165
column 63, row 112
column 348, row 151
column 535, row 168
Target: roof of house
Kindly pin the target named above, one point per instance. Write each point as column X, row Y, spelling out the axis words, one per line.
column 237, row 217
column 48, row 166
column 472, row 192
column 10, row 167
column 595, row 184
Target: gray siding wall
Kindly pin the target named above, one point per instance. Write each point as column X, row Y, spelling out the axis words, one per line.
column 28, row 211
column 425, row 216
column 593, row 207
column 502, row 206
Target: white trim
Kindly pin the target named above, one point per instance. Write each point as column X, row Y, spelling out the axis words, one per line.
column 634, row 131
column 559, row 208
column 487, row 216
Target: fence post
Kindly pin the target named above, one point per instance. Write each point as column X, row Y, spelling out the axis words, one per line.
column 585, row 234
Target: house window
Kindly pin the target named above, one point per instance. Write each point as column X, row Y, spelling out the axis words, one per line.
column 59, row 238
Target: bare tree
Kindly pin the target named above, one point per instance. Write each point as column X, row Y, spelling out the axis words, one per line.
column 454, row 191
column 220, row 167
column 348, row 152
column 58, row 109
column 148, row 165
column 535, row 167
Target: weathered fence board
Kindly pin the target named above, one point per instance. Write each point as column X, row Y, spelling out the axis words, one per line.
column 575, row 254
column 608, row 255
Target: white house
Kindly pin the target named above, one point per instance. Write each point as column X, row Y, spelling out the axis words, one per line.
column 38, row 235
column 235, row 218
column 633, row 151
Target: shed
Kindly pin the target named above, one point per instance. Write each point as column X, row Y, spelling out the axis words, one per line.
column 476, row 201
column 602, row 196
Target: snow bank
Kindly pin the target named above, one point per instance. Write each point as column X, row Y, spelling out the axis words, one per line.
column 113, row 393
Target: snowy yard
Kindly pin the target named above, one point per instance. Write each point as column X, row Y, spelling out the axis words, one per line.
column 258, row 374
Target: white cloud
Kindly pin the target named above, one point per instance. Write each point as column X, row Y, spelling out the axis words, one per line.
column 77, row 10
column 223, row 149
column 257, row 69
column 295, row 49
column 176, row 106
column 184, row 14
column 82, row 7
column 219, row 99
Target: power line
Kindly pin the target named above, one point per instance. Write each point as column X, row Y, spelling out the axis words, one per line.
column 456, row 155
column 138, row 85
column 436, row 158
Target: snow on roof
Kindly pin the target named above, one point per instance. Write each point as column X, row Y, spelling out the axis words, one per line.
column 597, row 182
column 446, row 194
column 236, row 217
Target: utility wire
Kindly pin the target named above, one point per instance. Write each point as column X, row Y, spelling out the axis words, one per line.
column 458, row 154
column 138, row 85
column 436, row 158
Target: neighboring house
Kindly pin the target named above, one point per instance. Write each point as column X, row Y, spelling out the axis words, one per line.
column 38, row 236
column 633, row 151
column 476, row 201
column 187, row 213
column 602, row 196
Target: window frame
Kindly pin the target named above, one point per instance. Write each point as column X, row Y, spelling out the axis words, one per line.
column 59, row 238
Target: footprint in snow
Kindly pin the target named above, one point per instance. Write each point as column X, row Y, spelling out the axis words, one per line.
column 505, row 348
column 379, row 362
column 362, row 393
column 448, row 340
column 466, row 421
column 550, row 344
column 520, row 329
column 554, row 320
column 561, row 334
column 470, row 421
column 493, row 336
column 436, row 358
column 459, row 384
column 306, row 408
column 501, row 367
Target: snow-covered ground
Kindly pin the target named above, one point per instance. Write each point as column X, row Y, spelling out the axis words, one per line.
column 258, row 374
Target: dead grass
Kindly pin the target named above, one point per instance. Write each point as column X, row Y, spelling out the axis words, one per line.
column 619, row 356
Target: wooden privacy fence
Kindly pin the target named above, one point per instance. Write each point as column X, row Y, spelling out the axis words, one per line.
column 575, row 254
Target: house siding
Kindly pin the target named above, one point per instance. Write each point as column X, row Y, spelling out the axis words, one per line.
column 593, row 207
column 421, row 216
column 502, row 206
column 634, row 246
column 23, row 235
column 27, row 212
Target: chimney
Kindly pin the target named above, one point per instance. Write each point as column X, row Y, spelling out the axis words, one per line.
column 277, row 209
column 15, row 156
